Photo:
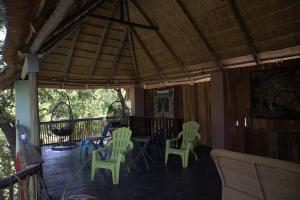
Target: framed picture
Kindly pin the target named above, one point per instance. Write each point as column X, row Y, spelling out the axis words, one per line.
column 163, row 103
column 276, row 93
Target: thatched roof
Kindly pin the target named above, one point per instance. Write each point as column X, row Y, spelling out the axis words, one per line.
column 193, row 38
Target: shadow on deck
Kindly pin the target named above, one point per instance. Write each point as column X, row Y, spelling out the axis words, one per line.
column 199, row 181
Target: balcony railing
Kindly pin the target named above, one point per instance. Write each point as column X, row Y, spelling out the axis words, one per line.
column 90, row 126
column 25, row 184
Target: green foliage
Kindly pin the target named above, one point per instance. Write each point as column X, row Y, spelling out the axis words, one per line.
column 6, row 159
column 7, row 108
column 84, row 103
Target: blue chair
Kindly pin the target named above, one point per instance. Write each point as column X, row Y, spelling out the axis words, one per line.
column 86, row 143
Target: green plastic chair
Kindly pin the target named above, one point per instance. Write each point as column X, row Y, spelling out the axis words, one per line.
column 189, row 136
column 121, row 144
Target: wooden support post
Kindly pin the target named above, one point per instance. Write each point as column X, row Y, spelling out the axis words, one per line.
column 137, row 100
column 34, row 120
column 27, row 111
column 211, row 51
column 218, row 110
column 237, row 16
column 33, row 64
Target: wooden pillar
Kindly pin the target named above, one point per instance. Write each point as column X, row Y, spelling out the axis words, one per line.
column 22, row 102
column 31, row 68
column 137, row 100
column 27, row 112
column 34, row 119
column 218, row 111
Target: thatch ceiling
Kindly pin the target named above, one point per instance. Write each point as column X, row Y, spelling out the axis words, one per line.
column 194, row 37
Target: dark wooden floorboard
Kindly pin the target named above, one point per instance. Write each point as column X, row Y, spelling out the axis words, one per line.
column 199, row 181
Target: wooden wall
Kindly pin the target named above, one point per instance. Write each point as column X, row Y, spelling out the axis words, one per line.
column 196, row 107
column 190, row 103
column 255, row 138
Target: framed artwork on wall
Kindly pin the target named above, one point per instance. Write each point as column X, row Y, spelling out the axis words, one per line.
column 276, row 93
column 164, row 103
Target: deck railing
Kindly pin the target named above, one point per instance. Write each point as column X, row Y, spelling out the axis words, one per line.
column 29, row 176
column 141, row 126
column 90, row 126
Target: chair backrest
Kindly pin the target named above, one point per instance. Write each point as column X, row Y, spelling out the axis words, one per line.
column 189, row 132
column 120, row 141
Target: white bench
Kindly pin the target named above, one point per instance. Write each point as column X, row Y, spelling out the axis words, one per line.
column 249, row 177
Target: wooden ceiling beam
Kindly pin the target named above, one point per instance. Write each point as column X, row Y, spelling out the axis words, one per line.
column 69, row 24
column 124, row 22
column 132, row 45
column 147, row 52
column 237, row 16
column 133, row 56
column 101, row 42
column 211, row 51
column 117, row 57
column 71, row 52
column 167, row 46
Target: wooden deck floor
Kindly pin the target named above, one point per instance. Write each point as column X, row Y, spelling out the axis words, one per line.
column 199, row 181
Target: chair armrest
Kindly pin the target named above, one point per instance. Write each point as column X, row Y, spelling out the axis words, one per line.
column 102, row 149
column 129, row 148
column 177, row 138
column 168, row 142
column 198, row 138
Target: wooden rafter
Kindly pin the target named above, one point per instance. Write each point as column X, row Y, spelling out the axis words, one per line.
column 168, row 47
column 124, row 22
column 237, row 16
column 69, row 24
column 117, row 57
column 200, row 34
column 152, row 60
column 101, row 42
column 131, row 45
column 71, row 52
column 133, row 56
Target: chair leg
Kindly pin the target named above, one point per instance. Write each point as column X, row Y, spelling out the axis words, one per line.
column 195, row 155
column 166, row 156
column 115, row 175
column 80, row 152
column 182, row 156
column 185, row 160
column 92, row 172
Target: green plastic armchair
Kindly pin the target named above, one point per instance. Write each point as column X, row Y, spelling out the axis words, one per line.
column 189, row 136
column 120, row 145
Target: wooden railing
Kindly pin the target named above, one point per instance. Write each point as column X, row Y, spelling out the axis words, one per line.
column 88, row 126
column 138, row 125
column 30, row 164
column 149, row 126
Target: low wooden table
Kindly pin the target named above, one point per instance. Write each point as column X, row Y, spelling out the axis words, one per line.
column 142, row 143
